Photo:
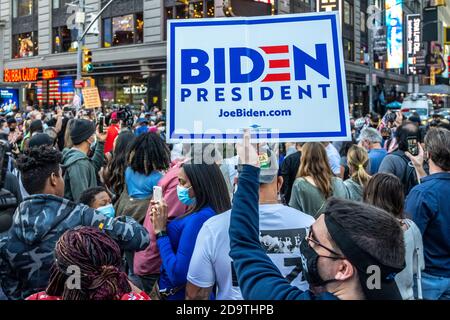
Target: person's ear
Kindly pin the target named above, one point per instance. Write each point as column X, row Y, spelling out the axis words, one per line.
column 345, row 271
column 53, row 179
column 279, row 183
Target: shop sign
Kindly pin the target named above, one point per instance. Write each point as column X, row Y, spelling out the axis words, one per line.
column 79, row 84
column 135, row 90
column 20, row 75
column 277, row 85
column 49, row 74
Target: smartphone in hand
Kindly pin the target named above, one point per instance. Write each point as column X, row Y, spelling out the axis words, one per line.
column 101, row 124
column 413, row 146
column 157, row 193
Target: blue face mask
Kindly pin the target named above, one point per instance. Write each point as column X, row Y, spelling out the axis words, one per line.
column 107, row 211
column 183, row 195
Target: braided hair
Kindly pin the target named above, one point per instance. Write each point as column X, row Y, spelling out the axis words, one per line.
column 148, row 153
column 99, row 260
column 36, row 165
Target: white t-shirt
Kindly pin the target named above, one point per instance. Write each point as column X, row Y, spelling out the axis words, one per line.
column 281, row 228
column 334, row 159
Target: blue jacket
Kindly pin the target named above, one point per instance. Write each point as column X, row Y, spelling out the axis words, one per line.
column 429, row 206
column 27, row 251
column 258, row 277
column 176, row 250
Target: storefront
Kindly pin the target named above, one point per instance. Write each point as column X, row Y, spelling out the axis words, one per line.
column 133, row 89
column 42, row 87
column 131, row 82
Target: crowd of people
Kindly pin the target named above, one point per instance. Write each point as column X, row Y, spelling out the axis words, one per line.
column 361, row 219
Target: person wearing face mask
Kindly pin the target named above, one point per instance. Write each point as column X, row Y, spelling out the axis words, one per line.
column 211, row 268
column 27, row 251
column 98, row 198
column 352, row 252
column 203, row 189
column 80, row 170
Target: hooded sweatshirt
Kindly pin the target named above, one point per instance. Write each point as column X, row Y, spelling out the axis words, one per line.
column 80, row 171
column 27, row 251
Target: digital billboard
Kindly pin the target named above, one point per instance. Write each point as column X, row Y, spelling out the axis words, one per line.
column 394, row 36
column 9, row 98
column 413, row 40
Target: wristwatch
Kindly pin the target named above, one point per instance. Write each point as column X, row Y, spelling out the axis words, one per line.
column 161, row 234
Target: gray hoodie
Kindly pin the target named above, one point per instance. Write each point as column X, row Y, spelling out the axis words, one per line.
column 80, row 171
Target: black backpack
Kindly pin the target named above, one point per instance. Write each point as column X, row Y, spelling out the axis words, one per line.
column 8, row 205
column 409, row 178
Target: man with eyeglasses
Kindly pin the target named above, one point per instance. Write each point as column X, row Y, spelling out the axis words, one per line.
column 352, row 252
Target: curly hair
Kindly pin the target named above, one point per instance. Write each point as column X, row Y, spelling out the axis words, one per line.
column 147, row 153
column 98, row 258
column 36, row 165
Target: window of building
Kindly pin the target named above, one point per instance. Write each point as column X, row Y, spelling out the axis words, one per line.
column 56, row 4
column 348, row 49
column 123, row 30
column 348, row 13
column 22, row 8
column 64, row 39
column 363, row 21
column 25, row 45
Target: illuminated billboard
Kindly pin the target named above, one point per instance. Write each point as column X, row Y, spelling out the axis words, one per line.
column 394, row 36
column 413, row 40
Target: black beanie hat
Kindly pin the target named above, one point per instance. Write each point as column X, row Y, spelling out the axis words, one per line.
column 41, row 139
column 81, row 130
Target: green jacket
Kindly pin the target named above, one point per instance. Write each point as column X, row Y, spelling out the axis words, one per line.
column 80, row 171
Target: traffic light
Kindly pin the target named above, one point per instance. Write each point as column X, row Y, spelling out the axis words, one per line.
column 87, row 61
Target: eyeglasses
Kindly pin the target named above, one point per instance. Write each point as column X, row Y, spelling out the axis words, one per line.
column 310, row 237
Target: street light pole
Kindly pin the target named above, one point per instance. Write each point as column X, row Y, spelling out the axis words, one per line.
column 80, row 42
column 80, row 38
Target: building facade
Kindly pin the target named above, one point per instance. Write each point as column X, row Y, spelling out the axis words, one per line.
column 129, row 53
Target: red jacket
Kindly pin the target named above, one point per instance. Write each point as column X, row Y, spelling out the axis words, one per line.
column 111, row 135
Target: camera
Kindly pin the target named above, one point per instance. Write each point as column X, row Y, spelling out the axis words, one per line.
column 125, row 115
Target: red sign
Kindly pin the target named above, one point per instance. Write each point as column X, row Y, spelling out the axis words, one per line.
column 79, row 84
column 49, row 74
column 21, row 75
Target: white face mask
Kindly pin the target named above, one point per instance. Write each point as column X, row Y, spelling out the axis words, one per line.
column 6, row 130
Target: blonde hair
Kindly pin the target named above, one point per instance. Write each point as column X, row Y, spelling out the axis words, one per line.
column 358, row 160
column 314, row 163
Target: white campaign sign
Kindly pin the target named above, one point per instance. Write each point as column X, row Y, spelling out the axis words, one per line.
column 282, row 76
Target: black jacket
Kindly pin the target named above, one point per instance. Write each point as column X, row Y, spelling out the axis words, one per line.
column 289, row 170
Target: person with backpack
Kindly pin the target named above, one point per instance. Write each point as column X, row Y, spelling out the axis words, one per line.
column 80, row 170
column 397, row 163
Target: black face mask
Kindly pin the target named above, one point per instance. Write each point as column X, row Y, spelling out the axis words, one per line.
column 310, row 259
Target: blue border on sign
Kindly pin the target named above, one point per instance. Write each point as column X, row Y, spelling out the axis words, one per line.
column 332, row 18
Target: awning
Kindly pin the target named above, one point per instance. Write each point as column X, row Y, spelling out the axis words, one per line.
column 436, row 89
